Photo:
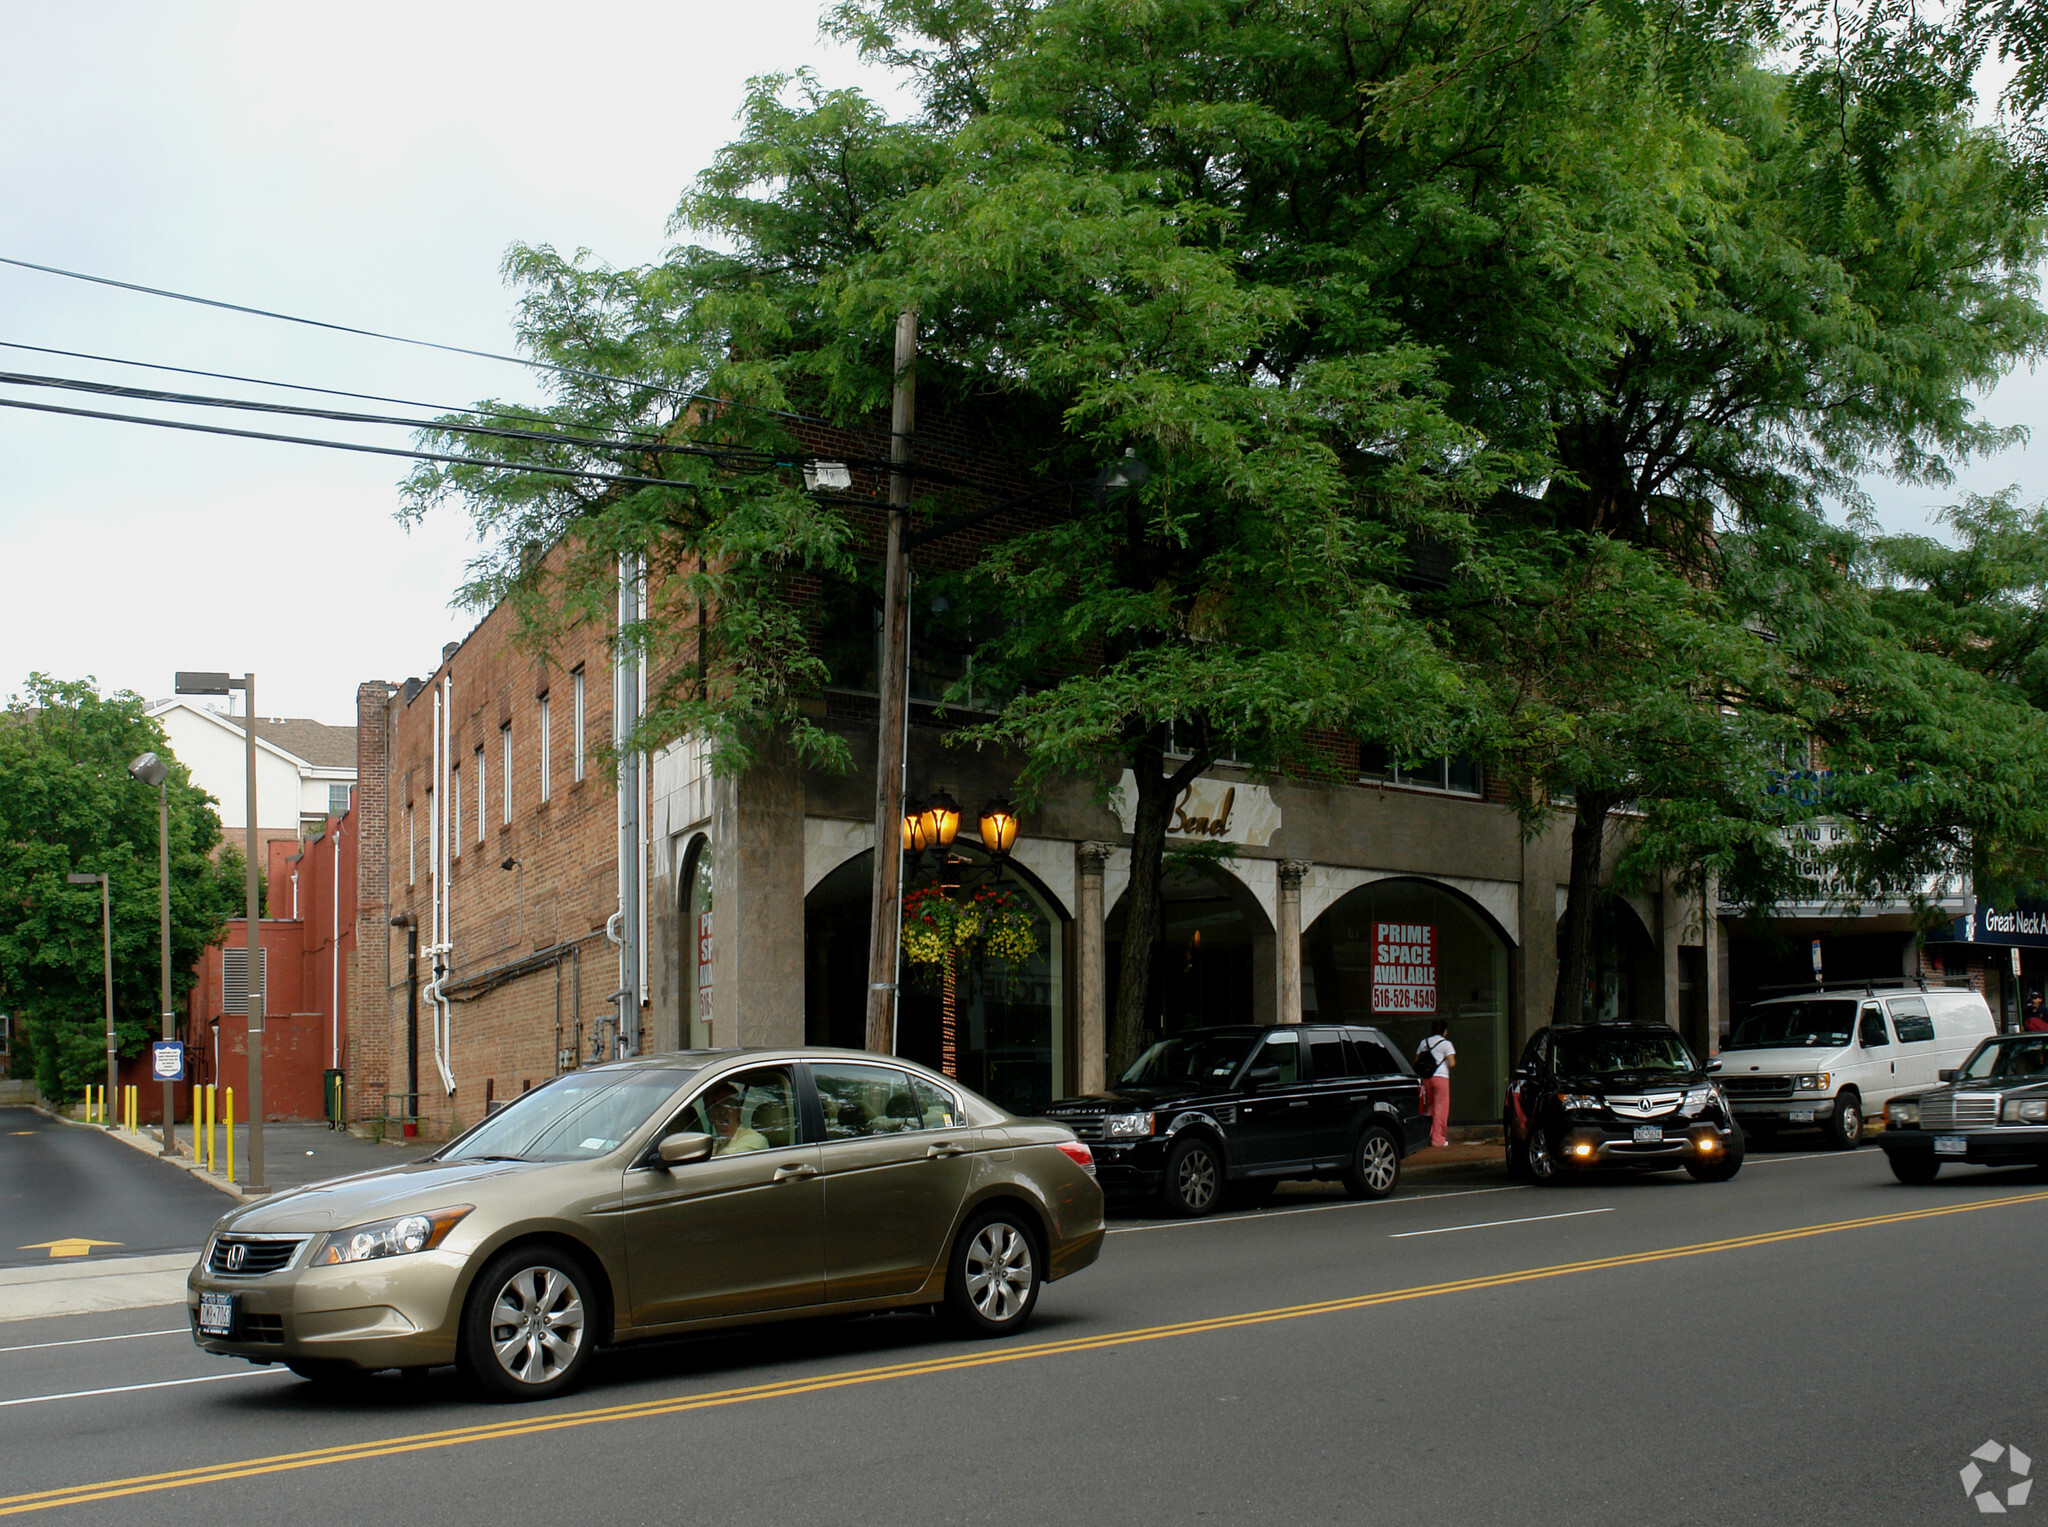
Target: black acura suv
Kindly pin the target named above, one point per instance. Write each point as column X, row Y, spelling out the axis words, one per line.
column 1616, row 1095
column 1244, row 1108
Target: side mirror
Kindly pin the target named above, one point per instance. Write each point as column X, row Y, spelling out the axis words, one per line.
column 1946, row 1074
column 1713, row 1064
column 679, row 1148
column 1262, row 1076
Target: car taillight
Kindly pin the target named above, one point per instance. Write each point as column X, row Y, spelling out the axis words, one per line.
column 1079, row 1154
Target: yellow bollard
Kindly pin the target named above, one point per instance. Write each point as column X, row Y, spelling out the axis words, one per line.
column 207, row 1091
column 231, row 1133
column 128, row 1107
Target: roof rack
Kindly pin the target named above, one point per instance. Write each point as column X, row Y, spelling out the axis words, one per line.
column 1870, row 986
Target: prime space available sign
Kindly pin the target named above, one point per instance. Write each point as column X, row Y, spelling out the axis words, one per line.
column 1404, row 967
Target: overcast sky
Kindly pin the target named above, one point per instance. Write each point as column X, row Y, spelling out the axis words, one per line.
column 367, row 166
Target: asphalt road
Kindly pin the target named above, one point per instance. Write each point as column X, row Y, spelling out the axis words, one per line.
column 66, row 1181
column 1811, row 1342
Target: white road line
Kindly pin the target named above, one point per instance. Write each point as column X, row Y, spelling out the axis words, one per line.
column 80, row 1341
column 1530, row 1220
column 88, row 1394
column 1368, row 1203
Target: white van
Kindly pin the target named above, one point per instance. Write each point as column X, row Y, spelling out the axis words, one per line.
column 1833, row 1058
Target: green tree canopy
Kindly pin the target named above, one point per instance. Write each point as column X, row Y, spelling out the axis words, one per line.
column 68, row 804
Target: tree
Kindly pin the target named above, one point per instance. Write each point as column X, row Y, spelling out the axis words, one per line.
column 68, row 804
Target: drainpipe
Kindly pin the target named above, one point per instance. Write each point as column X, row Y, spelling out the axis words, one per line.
column 334, row 961
column 443, row 936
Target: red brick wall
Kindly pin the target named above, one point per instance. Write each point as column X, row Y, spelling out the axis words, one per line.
column 560, row 892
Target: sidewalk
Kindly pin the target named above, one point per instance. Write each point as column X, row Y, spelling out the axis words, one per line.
column 92, row 1287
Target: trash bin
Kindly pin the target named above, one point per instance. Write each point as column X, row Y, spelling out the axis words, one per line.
column 332, row 1091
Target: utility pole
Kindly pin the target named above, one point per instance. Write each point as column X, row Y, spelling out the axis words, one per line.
column 892, row 684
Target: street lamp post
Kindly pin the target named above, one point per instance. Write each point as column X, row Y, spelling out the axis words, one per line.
column 152, row 770
column 221, row 684
column 107, row 967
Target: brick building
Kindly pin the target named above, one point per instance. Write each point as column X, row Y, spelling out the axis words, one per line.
column 752, row 893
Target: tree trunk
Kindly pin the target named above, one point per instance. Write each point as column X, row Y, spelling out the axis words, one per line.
column 1575, row 955
column 1144, row 903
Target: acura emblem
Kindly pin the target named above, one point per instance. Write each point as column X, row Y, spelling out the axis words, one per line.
column 1645, row 1105
column 235, row 1255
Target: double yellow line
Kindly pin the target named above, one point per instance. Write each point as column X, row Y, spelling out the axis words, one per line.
column 529, row 1425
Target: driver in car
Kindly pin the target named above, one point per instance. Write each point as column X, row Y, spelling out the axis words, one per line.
column 726, row 1108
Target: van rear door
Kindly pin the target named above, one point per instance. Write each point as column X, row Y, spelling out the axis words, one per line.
column 1918, row 1057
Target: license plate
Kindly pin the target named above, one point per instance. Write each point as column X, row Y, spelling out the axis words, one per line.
column 1649, row 1134
column 1801, row 1116
column 216, row 1314
column 1951, row 1145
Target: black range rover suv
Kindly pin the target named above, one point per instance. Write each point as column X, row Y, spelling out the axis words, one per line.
column 1244, row 1108
column 1616, row 1095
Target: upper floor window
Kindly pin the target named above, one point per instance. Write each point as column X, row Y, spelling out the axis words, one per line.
column 1460, row 776
column 337, row 800
column 576, row 718
column 412, row 856
column 505, row 772
column 547, row 750
column 455, row 810
column 482, row 790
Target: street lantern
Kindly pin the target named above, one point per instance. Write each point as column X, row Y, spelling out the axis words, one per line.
column 915, row 841
column 107, row 965
column 252, row 1006
column 998, row 828
column 941, row 819
column 153, row 771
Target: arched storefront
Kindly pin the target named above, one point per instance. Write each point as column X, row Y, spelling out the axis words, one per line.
column 1213, row 961
column 1011, row 1019
column 1399, row 954
column 1625, row 976
column 693, row 947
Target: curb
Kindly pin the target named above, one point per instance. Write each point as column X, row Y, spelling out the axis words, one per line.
column 152, row 1147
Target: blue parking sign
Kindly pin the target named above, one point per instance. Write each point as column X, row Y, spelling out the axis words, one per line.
column 168, row 1056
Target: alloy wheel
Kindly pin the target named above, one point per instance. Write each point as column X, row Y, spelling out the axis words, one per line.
column 1542, row 1164
column 1377, row 1162
column 1196, row 1180
column 537, row 1325
column 999, row 1271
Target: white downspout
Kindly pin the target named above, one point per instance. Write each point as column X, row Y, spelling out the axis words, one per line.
column 441, row 950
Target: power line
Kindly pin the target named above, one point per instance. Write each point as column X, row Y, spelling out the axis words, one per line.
column 751, row 458
column 258, row 381
column 488, row 355
column 346, row 445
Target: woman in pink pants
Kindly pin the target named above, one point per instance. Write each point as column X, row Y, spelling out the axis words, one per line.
column 1436, row 1085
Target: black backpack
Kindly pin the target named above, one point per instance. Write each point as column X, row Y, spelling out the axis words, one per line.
column 1425, row 1059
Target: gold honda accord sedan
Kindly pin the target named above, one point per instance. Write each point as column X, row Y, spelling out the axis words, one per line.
column 652, row 1196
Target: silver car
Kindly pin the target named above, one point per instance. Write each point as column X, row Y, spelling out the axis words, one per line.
column 664, row 1194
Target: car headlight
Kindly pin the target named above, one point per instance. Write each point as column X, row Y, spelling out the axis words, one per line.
column 1127, row 1126
column 2025, row 1111
column 1813, row 1081
column 1698, row 1099
column 1577, row 1101
column 1902, row 1114
column 391, row 1237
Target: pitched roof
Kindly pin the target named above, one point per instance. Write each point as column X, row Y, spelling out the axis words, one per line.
column 321, row 745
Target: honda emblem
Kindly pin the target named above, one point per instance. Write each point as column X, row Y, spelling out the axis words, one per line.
column 236, row 1254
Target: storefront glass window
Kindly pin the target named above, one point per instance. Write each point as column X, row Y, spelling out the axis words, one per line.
column 1399, row 954
column 1009, row 1019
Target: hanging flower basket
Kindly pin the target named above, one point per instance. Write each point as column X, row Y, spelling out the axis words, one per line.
column 999, row 919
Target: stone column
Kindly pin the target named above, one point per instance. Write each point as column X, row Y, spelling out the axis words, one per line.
column 1093, row 1039
column 1287, row 939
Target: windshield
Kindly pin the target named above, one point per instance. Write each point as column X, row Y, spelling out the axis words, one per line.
column 577, row 1117
column 1794, row 1025
column 1192, row 1060
column 2024, row 1055
column 1625, row 1053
